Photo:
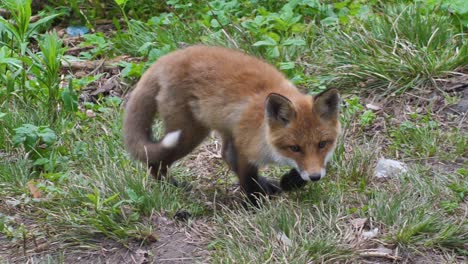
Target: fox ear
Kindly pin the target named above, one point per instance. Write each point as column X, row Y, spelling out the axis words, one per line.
column 327, row 104
column 279, row 109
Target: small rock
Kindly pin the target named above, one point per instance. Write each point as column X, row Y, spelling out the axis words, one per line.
column 373, row 107
column 90, row 113
column 371, row 233
column 284, row 239
column 387, row 168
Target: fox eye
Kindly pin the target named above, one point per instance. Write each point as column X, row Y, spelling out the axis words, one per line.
column 295, row 148
column 322, row 144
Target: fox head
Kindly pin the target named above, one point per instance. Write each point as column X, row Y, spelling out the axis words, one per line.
column 303, row 134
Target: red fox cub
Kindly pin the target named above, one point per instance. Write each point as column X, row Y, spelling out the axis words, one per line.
column 261, row 117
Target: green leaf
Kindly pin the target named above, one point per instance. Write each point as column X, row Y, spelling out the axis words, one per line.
column 273, row 52
column 294, row 42
column 47, row 135
column 69, row 99
column 41, row 161
column 132, row 69
column 121, row 2
column 266, row 42
column 289, row 65
column 27, row 135
column 329, row 21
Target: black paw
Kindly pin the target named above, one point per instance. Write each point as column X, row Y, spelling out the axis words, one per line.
column 262, row 189
column 269, row 187
column 183, row 185
column 292, row 181
column 182, row 215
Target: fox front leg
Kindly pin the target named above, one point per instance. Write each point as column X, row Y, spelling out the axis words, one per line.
column 292, row 181
column 254, row 186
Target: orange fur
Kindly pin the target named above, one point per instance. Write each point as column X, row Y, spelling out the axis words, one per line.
column 202, row 88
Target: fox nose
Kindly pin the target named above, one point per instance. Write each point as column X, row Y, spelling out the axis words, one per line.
column 315, row 177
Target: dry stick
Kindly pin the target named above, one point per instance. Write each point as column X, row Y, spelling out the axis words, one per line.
column 78, row 49
column 178, row 259
column 89, row 65
column 378, row 255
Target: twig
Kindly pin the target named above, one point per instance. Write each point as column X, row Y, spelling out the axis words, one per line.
column 78, row 49
column 376, row 254
column 178, row 259
column 90, row 65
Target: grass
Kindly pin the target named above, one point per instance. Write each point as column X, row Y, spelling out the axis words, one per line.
column 409, row 46
column 68, row 185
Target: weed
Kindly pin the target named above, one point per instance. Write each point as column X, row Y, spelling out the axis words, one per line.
column 19, row 33
column 407, row 47
column 424, row 139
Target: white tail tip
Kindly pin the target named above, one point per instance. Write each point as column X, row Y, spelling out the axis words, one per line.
column 170, row 139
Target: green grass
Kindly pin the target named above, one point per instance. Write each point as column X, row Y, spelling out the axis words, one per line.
column 98, row 190
column 91, row 190
column 427, row 139
column 407, row 47
column 317, row 225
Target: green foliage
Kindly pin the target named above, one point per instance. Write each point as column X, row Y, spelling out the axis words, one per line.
column 47, row 65
column 101, row 46
column 31, row 136
column 406, row 47
column 18, row 60
column 425, row 138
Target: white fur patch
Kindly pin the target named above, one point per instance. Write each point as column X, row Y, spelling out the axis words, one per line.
column 323, row 171
column 304, row 175
column 170, row 139
column 329, row 156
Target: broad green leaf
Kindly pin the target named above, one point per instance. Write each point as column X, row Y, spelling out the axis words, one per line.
column 121, row 2
column 294, row 42
column 69, row 99
column 289, row 65
column 47, row 135
column 266, row 42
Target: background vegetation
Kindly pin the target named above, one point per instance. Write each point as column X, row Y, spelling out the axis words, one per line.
column 67, row 185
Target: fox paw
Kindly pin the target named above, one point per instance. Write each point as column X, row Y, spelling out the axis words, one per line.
column 263, row 189
column 183, row 184
column 292, row 181
column 269, row 187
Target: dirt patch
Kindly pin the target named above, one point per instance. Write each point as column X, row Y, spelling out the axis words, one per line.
column 176, row 242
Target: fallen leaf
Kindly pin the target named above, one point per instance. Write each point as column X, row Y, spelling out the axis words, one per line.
column 90, row 113
column 36, row 193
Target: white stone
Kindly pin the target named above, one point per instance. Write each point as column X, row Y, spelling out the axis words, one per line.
column 388, row 168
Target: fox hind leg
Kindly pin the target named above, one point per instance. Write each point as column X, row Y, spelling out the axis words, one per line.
column 182, row 136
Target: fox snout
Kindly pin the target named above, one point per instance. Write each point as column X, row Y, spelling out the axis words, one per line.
column 313, row 175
